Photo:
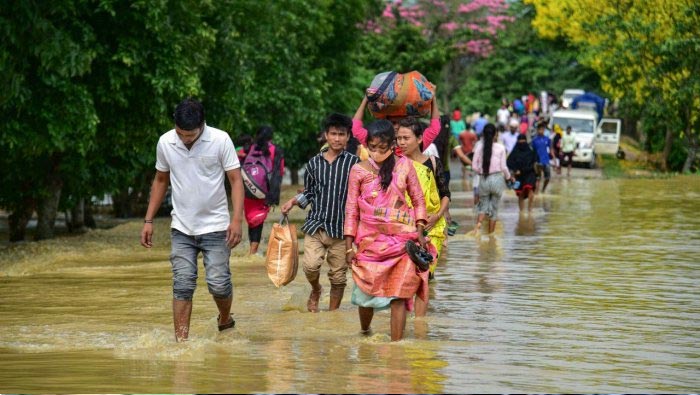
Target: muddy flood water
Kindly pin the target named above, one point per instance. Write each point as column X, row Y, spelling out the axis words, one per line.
column 597, row 290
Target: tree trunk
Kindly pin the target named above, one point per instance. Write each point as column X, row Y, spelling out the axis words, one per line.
column 294, row 174
column 120, row 204
column 89, row 219
column 47, row 209
column 18, row 220
column 667, row 149
column 692, row 141
column 77, row 223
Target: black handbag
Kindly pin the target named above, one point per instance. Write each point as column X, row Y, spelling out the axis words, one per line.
column 419, row 255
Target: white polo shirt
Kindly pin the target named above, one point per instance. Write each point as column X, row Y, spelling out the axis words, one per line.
column 197, row 179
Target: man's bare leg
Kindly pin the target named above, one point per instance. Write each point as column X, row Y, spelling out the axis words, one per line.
column 224, row 306
column 182, row 310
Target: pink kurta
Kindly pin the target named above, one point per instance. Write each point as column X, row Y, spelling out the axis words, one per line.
column 381, row 222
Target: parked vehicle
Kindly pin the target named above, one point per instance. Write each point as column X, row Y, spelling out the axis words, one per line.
column 592, row 135
column 569, row 95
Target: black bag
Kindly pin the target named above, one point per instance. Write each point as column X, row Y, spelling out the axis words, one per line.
column 419, row 255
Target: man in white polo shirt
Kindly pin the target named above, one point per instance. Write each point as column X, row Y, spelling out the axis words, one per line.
column 194, row 158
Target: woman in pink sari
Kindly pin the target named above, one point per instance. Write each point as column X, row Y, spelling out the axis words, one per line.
column 379, row 222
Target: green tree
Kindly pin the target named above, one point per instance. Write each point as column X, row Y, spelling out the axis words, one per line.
column 46, row 50
column 645, row 50
column 89, row 89
column 522, row 62
column 287, row 68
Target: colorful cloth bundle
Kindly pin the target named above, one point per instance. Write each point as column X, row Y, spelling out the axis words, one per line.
column 400, row 95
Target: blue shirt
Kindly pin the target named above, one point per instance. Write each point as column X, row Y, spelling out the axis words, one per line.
column 479, row 125
column 541, row 145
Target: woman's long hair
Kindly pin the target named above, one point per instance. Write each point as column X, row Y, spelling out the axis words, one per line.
column 263, row 137
column 489, row 135
column 384, row 131
column 442, row 141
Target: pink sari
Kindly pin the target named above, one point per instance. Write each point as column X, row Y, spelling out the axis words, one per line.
column 382, row 222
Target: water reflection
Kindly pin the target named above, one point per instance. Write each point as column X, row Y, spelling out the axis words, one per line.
column 596, row 290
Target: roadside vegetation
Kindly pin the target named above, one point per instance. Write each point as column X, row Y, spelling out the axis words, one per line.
column 91, row 86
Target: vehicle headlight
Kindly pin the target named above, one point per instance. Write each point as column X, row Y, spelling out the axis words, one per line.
column 587, row 145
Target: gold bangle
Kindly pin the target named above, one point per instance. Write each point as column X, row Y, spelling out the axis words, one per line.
column 349, row 251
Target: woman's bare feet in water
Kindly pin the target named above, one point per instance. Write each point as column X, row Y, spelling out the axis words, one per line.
column 476, row 230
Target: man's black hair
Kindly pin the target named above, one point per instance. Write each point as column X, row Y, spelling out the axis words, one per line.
column 338, row 121
column 189, row 114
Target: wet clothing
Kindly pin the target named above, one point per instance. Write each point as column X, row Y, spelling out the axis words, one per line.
column 215, row 255
column 434, row 189
column 381, row 221
column 490, row 191
column 523, row 159
column 319, row 247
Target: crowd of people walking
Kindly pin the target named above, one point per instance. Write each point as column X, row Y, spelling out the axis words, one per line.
column 379, row 199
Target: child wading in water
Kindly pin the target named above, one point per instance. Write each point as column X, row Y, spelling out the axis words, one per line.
column 326, row 188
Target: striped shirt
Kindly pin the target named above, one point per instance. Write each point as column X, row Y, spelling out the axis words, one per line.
column 326, row 189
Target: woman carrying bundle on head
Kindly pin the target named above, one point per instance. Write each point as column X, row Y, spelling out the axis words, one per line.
column 436, row 191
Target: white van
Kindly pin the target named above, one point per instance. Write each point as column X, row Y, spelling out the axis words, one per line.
column 593, row 137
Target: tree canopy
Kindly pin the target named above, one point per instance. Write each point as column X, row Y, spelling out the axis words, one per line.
column 644, row 50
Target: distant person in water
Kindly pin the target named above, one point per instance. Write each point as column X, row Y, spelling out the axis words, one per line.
column 194, row 158
column 271, row 157
column 490, row 163
column 522, row 163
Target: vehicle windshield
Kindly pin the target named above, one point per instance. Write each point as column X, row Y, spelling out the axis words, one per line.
column 577, row 125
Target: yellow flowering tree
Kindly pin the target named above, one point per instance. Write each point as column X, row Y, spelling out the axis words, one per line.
column 646, row 51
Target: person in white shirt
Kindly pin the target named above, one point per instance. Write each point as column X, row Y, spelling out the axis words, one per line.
column 194, row 158
column 568, row 146
column 510, row 138
column 503, row 114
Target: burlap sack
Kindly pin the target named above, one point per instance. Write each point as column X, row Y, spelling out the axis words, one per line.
column 282, row 253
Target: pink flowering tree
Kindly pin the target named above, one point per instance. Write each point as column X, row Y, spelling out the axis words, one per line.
column 469, row 26
column 453, row 33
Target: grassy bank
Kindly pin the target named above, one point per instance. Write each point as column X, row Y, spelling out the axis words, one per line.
column 636, row 164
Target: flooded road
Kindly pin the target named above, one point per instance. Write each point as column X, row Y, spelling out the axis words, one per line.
column 597, row 290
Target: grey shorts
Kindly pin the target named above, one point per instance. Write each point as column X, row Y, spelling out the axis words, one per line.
column 546, row 169
column 215, row 254
column 490, row 191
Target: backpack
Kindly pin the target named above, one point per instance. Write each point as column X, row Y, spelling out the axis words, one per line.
column 256, row 173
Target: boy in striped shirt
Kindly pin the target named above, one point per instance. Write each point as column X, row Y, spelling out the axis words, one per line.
column 326, row 189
